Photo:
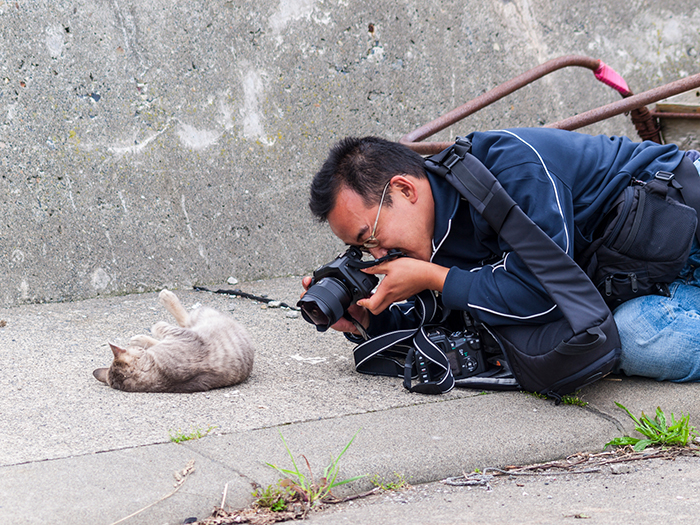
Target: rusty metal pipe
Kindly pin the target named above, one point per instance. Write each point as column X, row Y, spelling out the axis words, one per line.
column 664, row 114
column 628, row 104
column 412, row 139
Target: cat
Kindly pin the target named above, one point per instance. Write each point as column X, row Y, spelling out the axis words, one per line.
column 207, row 350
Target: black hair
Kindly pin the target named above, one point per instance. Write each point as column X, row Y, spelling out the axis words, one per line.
column 364, row 165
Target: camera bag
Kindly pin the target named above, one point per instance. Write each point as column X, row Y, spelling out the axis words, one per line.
column 644, row 240
column 553, row 359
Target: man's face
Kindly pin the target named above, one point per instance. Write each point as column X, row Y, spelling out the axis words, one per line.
column 406, row 225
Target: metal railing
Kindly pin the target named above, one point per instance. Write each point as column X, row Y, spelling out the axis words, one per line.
column 644, row 121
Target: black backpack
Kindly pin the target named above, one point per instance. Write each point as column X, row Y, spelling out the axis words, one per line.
column 553, row 359
column 645, row 237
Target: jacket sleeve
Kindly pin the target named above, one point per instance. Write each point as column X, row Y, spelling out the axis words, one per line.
column 506, row 292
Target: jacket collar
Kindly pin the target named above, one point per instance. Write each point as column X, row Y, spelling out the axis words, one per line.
column 446, row 201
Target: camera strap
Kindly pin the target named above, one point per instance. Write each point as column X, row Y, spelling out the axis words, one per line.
column 412, row 354
column 392, row 354
column 360, row 264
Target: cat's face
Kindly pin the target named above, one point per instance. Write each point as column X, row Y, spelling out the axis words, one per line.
column 122, row 369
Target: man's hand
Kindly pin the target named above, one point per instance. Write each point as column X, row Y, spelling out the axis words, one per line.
column 404, row 277
column 359, row 313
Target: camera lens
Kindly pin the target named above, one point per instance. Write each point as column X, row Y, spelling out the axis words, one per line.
column 324, row 303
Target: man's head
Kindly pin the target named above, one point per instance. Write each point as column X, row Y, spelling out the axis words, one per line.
column 364, row 165
column 348, row 190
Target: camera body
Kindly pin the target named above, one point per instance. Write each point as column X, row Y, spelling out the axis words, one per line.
column 346, row 269
column 335, row 286
column 464, row 351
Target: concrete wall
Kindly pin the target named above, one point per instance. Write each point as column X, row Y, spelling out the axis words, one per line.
column 165, row 142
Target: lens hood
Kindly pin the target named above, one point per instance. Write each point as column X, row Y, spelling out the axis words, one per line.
column 324, row 303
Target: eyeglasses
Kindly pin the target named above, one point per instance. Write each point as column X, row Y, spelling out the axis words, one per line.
column 372, row 241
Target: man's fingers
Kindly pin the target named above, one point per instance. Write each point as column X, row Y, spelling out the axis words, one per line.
column 343, row 325
column 373, row 303
column 305, row 282
column 379, row 268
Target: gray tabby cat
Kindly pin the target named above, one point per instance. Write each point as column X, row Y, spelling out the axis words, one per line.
column 207, row 350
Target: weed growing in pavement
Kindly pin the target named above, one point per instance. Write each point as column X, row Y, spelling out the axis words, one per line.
column 399, row 484
column 658, row 431
column 298, row 487
column 179, row 436
column 274, row 497
column 568, row 399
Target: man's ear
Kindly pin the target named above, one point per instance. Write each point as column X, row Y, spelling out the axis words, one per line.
column 406, row 186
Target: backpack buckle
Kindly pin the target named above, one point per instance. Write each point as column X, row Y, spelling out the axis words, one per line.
column 669, row 178
column 665, row 176
column 451, row 160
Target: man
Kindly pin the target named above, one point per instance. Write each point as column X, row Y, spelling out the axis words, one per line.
column 376, row 195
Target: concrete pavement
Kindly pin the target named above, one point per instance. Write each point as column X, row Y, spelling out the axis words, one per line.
column 76, row 451
column 649, row 491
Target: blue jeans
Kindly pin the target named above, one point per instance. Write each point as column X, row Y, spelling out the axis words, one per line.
column 661, row 335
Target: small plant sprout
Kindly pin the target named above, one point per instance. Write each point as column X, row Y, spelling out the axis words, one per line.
column 274, row 497
column 399, row 484
column 568, row 399
column 297, row 486
column 574, row 399
column 179, row 436
column 659, row 431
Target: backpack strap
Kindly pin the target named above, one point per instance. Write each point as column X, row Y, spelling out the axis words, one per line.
column 564, row 281
column 685, row 180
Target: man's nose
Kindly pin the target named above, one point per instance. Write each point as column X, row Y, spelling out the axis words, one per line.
column 378, row 252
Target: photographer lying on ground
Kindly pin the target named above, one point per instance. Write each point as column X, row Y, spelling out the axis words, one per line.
column 377, row 195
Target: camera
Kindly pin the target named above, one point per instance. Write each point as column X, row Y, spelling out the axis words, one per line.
column 335, row 286
column 464, row 351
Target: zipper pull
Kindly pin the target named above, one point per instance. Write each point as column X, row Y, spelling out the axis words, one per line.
column 557, row 398
column 608, row 285
column 633, row 281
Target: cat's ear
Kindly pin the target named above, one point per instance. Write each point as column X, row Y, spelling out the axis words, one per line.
column 101, row 374
column 116, row 350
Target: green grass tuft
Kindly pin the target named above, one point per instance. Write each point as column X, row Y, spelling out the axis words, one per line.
column 399, row 484
column 659, row 431
column 274, row 497
column 297, row 486
column 568, row 399
column 179, row 436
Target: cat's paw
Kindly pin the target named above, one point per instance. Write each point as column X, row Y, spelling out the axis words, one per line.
column 172, row 304
column 167, row 297
column 143, row 340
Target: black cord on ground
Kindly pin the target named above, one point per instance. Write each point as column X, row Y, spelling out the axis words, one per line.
column 246, row 295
